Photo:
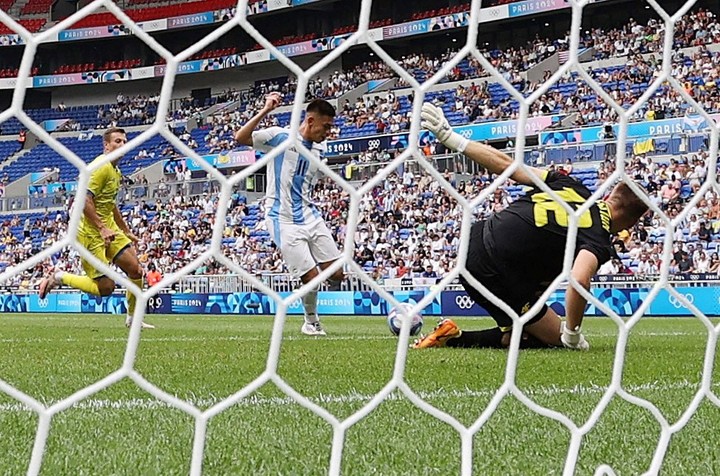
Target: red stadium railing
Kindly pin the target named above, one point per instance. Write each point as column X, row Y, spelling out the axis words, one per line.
column 153, row 13
column 13, row 72
column 6, row 4
column 36, row 6
column 32, row 25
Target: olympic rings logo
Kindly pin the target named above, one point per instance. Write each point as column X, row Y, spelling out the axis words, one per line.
column 677, row 304
column 464, row 302
column 373, row 144
column 294, row 305
column 43, row 303
column 466, row 133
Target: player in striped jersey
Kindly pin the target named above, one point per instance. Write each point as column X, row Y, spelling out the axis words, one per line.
column 292, row 219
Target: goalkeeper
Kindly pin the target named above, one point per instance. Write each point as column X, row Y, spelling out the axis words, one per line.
column 519, row 251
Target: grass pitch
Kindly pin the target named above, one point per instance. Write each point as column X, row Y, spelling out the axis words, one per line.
column 204, row 359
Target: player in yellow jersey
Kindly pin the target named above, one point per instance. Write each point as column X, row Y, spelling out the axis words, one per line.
column 104, row 233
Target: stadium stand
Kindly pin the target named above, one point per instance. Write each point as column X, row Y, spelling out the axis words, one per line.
column 31, row 24
column 43, row 156
column 172, row 9
column 407, row 225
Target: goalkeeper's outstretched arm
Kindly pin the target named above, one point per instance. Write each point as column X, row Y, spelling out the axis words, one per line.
column 492, row 159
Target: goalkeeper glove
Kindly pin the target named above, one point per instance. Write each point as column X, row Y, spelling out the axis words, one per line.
column 434, row 120
column 573, row 338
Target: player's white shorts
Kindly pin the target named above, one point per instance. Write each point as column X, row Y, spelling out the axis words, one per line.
column 303, row 247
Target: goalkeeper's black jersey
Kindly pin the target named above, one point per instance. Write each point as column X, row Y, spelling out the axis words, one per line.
column 526, row 241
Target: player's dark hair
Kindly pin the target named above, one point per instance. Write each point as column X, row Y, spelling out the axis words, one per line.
column 322, row 107
column 113, row 130
column 632, row 205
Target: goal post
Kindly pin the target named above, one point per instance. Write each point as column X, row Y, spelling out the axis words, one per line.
column 340, row 427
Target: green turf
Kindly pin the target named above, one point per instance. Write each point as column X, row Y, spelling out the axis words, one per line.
column 204, row 359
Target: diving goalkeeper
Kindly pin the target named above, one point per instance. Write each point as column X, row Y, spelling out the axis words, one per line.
column 519, row 251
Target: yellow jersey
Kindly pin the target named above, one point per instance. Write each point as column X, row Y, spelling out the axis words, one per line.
column 104, row 186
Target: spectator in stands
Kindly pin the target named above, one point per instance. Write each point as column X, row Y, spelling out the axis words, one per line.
column 401, row 270
column 429, row 272
column 703, row 233
column 702, row 263
column 153, row 276
column 714, row 263
column 22, row 137
column 623, row 269
column 610, row 267
column 27, row 227
column 647, row 266
column 669, row 193
column 685, row 265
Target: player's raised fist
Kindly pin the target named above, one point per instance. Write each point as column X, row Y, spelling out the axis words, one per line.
column 273, row 100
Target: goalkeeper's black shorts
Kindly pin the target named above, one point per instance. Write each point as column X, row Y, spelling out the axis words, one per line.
column 509, row 285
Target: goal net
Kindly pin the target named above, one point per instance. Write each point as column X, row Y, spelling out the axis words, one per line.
column 397, row 383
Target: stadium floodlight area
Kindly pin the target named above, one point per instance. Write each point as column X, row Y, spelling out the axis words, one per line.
column 397, row 383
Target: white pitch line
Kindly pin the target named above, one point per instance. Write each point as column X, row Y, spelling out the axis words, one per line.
column 441, row 394
column 38, row 340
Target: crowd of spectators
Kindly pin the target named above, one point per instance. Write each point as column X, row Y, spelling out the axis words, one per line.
column 698, row 72
column 141, row 110
column 696, row 28
column 670, row 186
column 409, row 226
column 171, row 233
column 128, row 109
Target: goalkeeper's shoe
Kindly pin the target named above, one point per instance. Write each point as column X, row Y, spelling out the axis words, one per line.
column 48, row 284
column 443, row 332
column 143, row 324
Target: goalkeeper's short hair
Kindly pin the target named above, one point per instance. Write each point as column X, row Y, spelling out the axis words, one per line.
column 633, row 206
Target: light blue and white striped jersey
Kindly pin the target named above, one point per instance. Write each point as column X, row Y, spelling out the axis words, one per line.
column 290, row 178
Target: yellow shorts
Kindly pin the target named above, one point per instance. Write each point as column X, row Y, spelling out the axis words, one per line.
column 95, row 245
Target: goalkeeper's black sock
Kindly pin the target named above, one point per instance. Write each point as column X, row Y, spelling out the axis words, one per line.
column 488, row 338
column 492, row 339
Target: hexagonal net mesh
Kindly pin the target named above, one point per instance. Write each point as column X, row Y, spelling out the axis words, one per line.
column 397, row 383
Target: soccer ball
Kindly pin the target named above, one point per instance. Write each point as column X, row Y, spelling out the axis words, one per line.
column 395, row 319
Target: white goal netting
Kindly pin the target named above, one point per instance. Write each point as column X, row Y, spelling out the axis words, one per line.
column 340, row 427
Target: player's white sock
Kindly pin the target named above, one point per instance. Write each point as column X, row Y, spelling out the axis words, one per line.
column 310, row 303
column 58, row 276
